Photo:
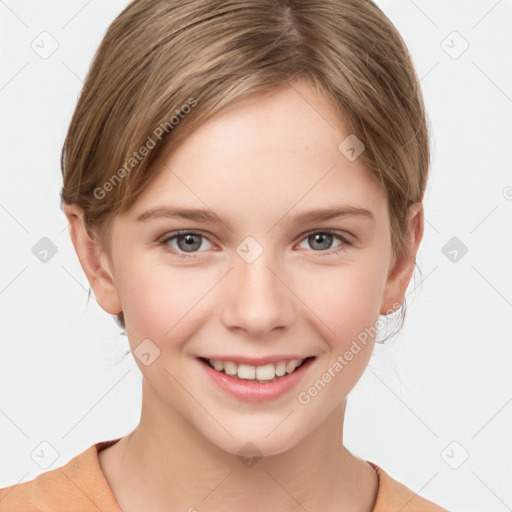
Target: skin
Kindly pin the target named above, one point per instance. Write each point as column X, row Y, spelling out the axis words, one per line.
column 256, row 165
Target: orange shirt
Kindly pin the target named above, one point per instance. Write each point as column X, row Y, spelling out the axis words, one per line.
column 81, row 486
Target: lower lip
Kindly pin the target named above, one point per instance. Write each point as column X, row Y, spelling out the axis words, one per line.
column 256, row 391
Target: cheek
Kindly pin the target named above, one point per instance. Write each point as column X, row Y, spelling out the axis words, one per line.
column 158, row 301
column 346, row 299
column 346, row 312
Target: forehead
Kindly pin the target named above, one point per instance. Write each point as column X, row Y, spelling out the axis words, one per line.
column 268, row 155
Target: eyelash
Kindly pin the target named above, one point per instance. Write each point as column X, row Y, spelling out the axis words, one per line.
column 175, row 234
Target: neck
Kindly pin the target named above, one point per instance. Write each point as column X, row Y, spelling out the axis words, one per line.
column 165, row 464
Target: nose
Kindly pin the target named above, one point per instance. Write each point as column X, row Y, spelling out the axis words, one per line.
column 258, row 300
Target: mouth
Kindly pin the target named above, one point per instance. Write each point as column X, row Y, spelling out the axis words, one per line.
column 263, row 374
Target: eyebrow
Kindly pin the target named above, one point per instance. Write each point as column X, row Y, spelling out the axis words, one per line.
column 309, row 216
column 320, row 215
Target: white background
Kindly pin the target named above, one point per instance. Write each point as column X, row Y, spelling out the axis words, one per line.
column 446, row 378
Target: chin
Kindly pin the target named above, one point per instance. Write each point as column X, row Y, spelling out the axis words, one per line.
column 255, row 442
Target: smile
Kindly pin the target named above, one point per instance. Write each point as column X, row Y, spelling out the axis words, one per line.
column 265, row 373
column 255, row 383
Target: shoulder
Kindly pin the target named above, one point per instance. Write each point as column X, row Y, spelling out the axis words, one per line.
column 44, row 492
column 393, row 496
column 77, row 485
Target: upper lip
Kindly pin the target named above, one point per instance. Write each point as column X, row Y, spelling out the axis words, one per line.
column 255, row 361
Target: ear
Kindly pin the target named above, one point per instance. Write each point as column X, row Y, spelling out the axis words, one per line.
column 401, row 270
column 94, row 260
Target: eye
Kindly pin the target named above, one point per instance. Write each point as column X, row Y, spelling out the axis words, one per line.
column 187, row 242
column 323, row 239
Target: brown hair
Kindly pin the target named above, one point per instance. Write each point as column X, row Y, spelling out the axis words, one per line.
column 170, row 65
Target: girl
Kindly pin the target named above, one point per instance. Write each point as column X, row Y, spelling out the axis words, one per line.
column 244, row 185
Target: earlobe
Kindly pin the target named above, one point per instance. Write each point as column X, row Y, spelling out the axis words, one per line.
column 94, row 261
column 401, row 271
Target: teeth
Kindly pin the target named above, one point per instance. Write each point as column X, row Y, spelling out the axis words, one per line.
column 267, row 372
column 246, row 371
column 264, row 373
column 281, row 368
column 291, row 365
column 218, row 365
column 229, row 367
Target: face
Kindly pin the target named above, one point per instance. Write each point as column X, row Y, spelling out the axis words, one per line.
column 259, row 281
